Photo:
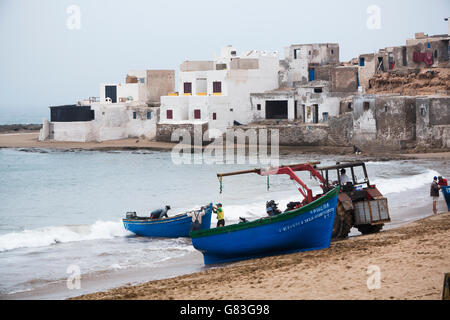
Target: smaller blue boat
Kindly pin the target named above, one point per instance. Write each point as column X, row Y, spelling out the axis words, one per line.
column 178, row 226
column 446, row 193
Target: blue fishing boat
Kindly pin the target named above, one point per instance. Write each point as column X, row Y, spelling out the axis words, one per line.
column 173, row 227
column 303, row 229
column 446, row 193
column 307, row 226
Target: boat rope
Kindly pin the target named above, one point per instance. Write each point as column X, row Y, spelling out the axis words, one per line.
column 268, row 183
column 220, row 184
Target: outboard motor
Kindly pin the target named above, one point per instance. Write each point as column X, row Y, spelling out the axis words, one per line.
column 131, row 215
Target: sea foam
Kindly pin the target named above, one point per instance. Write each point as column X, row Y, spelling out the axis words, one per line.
column 61, row 234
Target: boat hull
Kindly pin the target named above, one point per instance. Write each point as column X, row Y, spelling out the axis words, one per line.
column 173, row 227
column 304, row 229
column 446, row 193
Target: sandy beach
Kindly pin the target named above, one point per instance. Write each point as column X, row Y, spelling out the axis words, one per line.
column 30, row 140
column 412, row 261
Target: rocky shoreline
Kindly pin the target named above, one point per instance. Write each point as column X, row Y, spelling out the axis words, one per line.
column 25, row 138
column 9, row 128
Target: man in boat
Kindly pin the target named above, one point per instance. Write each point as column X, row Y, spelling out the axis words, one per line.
column 160, row 213
column 220, row 215
column 272, row 208
column 434, row 193
column 344, row 178
column 197, row 218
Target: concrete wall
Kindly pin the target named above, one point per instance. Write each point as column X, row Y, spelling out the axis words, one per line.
column 344, row 79
column 73, row 131
column 399, row 122
column 159, row 83
column 368, row 70
column 112, row 122
column 433, row 122
column 188, row 66
column 244, row 64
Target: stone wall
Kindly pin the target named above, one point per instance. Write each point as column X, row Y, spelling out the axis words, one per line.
column 164, row 131
column 293, row 134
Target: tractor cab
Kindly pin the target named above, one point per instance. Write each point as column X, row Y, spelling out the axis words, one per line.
column 360, row 204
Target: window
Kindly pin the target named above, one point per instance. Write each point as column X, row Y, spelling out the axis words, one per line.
column 349, row 106
column 169, row 114
column 231, row 110
column 149, row 115
column 385, row 108
column 187, row 87
column 423, row 112
column 197, row 114
column 134, row 115
column 317, row 90
column 332, row 51
column 362, row 62
column 217, row 87
column 221, row 66
column 258, row 107
column 435, row 53
column 325, row 116
column 142, row 80
column 214, row 116
column 366, row 106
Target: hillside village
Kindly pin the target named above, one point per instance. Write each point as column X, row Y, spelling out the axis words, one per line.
column 393, row 99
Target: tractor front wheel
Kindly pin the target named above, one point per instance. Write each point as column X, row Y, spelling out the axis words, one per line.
column 343, row 222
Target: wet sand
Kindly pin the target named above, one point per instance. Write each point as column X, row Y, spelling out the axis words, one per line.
column 30, row 140
column 412, row 260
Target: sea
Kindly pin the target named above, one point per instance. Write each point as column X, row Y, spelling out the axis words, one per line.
column 61, row 231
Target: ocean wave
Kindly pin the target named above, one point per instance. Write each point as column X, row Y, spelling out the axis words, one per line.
column 401, row 184
column 47, row 236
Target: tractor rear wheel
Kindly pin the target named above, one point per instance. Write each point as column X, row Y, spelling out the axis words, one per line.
column 343, row 222
column 369, row 229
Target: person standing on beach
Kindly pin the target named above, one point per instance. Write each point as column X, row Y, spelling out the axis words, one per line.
column 220, row 215
column 434, row 193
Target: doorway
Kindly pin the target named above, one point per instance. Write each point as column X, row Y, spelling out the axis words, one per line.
column 277, row 109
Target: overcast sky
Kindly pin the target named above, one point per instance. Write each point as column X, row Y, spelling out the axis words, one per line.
column 45, row 62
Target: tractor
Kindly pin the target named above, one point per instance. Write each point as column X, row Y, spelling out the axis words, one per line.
column 360, row 204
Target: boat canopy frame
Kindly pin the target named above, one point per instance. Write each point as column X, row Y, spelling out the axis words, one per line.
column 290, row 171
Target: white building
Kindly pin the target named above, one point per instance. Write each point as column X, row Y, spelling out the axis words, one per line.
column 309, row 103
column 123, row 110
column 218, row 91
